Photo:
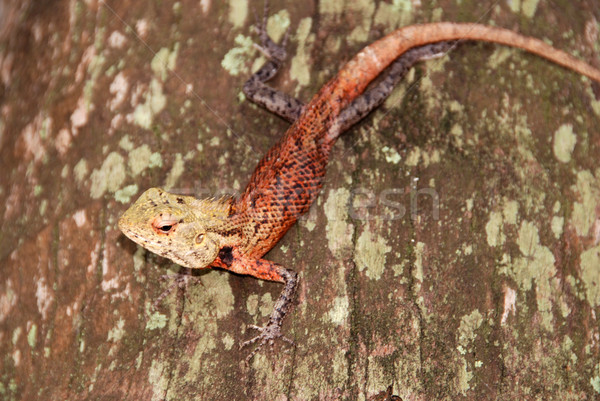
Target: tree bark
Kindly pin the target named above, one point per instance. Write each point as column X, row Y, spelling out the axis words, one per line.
column 453, row 252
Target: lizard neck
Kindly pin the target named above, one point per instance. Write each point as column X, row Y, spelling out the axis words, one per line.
column 231, row 232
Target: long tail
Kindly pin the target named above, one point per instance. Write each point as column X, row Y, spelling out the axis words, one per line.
column 353, row 78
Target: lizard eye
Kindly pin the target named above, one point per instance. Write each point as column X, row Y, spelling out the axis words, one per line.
column 166, row 228
column 164, row 224
column 199, row 238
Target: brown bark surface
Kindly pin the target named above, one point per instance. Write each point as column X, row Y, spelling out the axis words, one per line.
column 453, row 253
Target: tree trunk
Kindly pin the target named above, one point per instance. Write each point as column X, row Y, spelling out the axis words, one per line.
column 453, row 252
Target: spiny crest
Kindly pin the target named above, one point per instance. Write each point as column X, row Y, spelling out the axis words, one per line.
column 155, row 198
column 218, row 207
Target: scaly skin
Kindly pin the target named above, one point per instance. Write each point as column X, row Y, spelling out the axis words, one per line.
column 235, row 234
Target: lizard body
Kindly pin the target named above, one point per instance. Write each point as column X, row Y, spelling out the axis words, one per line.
column 235, row 234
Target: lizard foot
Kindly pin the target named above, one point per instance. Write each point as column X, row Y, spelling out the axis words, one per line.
column 268, row 335
column 179, row 280
column 271, row 50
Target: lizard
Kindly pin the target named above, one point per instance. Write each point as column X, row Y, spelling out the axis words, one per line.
column 235, row 233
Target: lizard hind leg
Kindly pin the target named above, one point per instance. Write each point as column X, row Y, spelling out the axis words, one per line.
column 255, row 89
column 377, row 93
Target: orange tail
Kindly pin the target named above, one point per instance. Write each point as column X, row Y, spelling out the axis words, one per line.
column 373, row 59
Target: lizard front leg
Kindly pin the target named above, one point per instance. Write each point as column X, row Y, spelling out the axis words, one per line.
column 231, row 259
column 272, row 330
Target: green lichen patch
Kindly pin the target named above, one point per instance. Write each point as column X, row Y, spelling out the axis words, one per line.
column 391, row 155
column 413, row 157
column 590, row 275
column 300, row 65
column 536, row 266
column 529, row 245
column 139, row 260
column 457, row 133
column 156, row 320
column 493, row 229
column 564, row 143
column 109, row 177
column 175, row 173
column 164, row 61
column 125, row 143
column 235, row 62
column 238, row 12
column 557, row 225
column 584, row 210
column 499, row 56
column 338, row 313
column 212, row 302
column 510, row 211
column 214, row 296
column 228, row 341
column 32, row 335
column 80, row 170
column 363, row 10
column 370, row 253
column 266, row 304
column 278, row 24
column 524, row 7
column 154, row 102
column 155, row 160
column 338, row 230
column 116, row 333
column 495, row 226
column 394, row 14
column 464, row 376
column 468, row 324
column 252, row 304
column 158, row 377
column 139, row 159
column 419, row 254
column 43, row 207
column 595, row 380
column 125, row 194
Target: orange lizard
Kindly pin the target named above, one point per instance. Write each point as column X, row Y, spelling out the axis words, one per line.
column 235, row 233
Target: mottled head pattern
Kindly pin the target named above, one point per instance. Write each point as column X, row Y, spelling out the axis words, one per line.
column 182, row 228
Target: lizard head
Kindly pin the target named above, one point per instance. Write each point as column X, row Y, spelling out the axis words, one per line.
column 181, row 228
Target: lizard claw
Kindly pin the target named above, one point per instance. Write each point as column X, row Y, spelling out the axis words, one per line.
column 267, row 46
column 267, row 335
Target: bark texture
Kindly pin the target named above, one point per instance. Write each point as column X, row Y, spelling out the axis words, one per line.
column 453, row 253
